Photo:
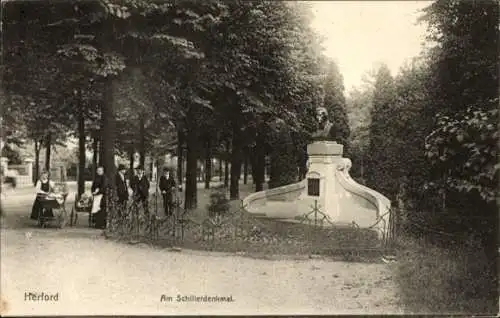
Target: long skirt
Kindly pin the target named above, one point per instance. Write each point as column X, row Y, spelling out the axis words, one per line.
column 100, row 219
column 100, row 216
column 38, row 209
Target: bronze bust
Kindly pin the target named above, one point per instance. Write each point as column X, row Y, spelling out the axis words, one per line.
column 323, row 132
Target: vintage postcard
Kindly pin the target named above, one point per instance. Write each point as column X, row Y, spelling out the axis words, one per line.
column 249, row 157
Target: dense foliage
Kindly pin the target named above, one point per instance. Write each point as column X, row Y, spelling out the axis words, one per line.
column 432, row 140
column 143, row 76
column 283, row 165
column 468, row 141
column 335, row 103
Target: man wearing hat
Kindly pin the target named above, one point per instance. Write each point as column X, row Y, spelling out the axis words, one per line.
column 121, row 186
column 167, row 188
column 140, row 186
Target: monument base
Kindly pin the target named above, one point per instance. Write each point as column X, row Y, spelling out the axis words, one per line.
column 329, row 189
column 324, row 156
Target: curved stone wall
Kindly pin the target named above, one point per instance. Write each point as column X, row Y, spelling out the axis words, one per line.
column 381, row 203
column 289, row 192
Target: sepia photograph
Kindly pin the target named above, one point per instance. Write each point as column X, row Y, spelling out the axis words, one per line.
column 231, row 157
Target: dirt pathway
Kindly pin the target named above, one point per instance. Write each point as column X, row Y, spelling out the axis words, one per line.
column 94, row 276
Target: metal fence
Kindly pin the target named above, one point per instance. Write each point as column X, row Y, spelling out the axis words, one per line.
column 238, row 230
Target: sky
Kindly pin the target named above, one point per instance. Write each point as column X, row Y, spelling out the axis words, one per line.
column 360, row 34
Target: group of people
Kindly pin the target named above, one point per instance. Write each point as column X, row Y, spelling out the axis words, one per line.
column 135, row 187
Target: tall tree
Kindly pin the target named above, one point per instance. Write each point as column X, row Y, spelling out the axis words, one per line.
column 463, row 145
column 463, row 73
column 283, row 168
column 382, row 134
column 335, row 103
column 359, row 105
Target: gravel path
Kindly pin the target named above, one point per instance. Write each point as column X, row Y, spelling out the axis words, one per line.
column 94, row 276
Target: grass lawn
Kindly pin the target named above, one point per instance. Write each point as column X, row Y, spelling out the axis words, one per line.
column 452, row 280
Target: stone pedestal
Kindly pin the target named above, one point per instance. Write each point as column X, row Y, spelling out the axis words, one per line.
column 324, row 158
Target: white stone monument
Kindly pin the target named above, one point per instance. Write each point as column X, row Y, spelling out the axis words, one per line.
column 324, row 159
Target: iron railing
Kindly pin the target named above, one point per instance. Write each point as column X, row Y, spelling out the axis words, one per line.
column 313, row 232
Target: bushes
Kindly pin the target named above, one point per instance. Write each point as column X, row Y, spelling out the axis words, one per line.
column 219, row 203
column 465, row 145
column 444, row 280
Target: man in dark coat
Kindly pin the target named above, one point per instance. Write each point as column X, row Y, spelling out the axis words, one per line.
column 121, row 187
column 167, row 188
column 140, row 186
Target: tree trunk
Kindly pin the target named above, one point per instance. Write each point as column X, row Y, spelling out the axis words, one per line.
column 152, row 163
column 260, row 163
column 142, row 142
column 226, row 173
column 38, row 147
column 95, row 153
column 108, row 137
column 226, row 165
column 190, row 199
column 48, row 146
column 252, row 158
column 101, row 146
column 180, row 157
column 236, row 152
column 208, row 163
column 245, row 169
column 220, row 169
column 81, row 154
column 273, row 171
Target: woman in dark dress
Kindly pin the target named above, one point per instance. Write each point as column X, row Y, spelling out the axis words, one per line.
column 99, row 189
column 43, row 187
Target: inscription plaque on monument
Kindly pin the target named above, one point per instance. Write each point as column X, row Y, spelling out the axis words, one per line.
column 313, row 187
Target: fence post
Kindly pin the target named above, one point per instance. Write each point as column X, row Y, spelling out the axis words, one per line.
column 391, row 232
